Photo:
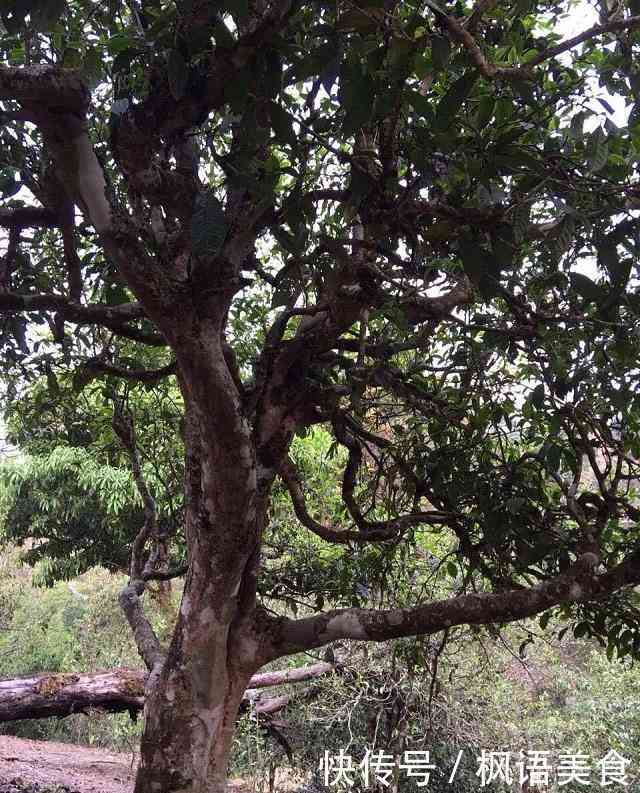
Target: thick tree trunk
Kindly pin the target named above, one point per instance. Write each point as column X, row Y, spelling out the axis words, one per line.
column 194, row 695
column 190, row 721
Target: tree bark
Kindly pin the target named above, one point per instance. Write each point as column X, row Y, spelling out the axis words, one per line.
column 193, row 696
column 44, row 695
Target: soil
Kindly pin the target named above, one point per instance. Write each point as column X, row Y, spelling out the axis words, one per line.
column 80, row 769
column 47, row 767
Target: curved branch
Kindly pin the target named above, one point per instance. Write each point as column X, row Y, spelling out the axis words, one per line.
column 579, row 584
column 96, row 366
column 115, row 318
column 614, row 26
column 144, row 635
column 462, row 35
column 382, row 531
column 165, row 575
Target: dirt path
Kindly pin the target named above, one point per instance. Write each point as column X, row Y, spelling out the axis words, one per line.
column 80, row 768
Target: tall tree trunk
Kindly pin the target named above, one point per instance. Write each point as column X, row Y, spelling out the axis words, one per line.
column 193, row 696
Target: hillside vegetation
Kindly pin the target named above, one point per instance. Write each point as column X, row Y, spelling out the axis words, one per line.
column 560, row 695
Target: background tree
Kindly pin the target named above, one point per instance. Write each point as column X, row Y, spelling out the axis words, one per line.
column 362, row 216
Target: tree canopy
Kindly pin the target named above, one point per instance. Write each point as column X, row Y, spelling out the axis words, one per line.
column 397, row 237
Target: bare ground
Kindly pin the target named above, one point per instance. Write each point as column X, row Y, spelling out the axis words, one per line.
column 81, row 769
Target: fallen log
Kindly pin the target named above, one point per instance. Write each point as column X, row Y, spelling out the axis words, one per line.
column 61, row 694
column 40, row 696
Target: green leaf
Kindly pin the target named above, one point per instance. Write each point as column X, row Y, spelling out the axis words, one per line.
column 357, row 93
column 618, row 269
column 46, row 13
column 281, row 122
column 564, row 234
column 521, row 220
column 362, row 20
column 120, row 42
column 178, row 74
column 82, row 376
column 440, row 51
column 92, row 66
column 420, row 104
column 329, row 74
column 577, row 124
column 597, row 151
column 485, row 111
column 482, row 267
column 52, row 383
column 116, row 294
column 122, row 61
column 537, row 396
column 316, row 61
column 553, row 457
column 474, row 260
column 581, row 629
column 8, row 185
column 452, row 569
column 585, row 287
column 208, row 225
column 453, row 100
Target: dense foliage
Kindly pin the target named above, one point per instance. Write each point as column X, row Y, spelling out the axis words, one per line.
column 370, row 270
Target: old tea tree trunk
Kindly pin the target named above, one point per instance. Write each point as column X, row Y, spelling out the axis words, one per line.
column 192, row 703
column 404, row 282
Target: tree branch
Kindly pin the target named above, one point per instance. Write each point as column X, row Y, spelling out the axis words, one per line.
column 115, row 318
column 479, row 10
column 381, row 531
column 578, row 584
column 98, row 366
column 27, row 217
column 6, row 263
column 597, row 30
column 462, row 34
column 144, row 635
column 44, row 85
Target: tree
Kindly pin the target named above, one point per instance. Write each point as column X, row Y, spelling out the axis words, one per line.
column 368, row 217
